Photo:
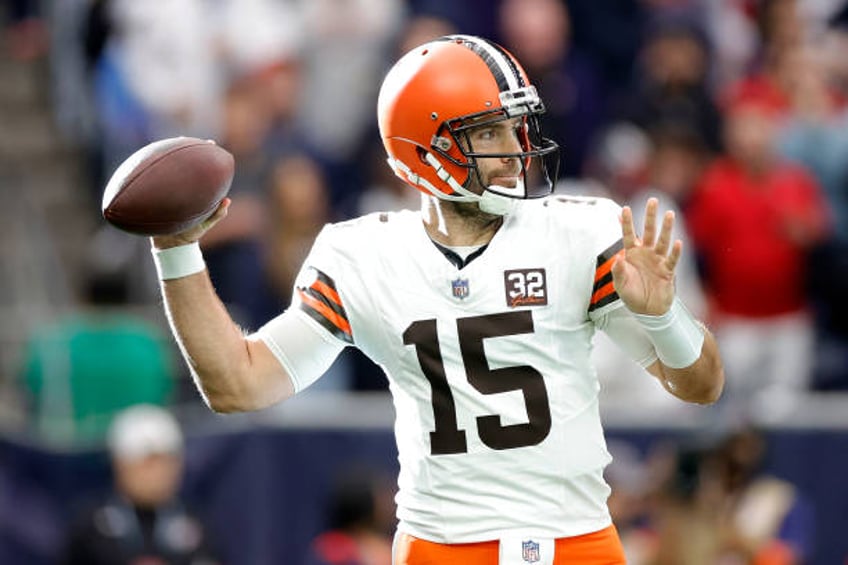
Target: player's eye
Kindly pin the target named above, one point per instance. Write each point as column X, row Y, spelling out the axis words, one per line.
column 486, row 134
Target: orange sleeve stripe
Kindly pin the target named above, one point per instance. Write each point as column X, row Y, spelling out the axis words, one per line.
column 325, row 311
column 603, row 292
column 606, row 267
column 327, row 290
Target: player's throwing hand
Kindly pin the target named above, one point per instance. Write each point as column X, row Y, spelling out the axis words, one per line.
column 643, row 273
column 195, row 233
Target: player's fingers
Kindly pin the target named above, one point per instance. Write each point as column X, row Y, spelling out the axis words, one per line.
column 665, row 233
column 650, row 231
column 628, row 233
column 674, row 256
column 219, row 214
column 221, row 211
column 223, row 205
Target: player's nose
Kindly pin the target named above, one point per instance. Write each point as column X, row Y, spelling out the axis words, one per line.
column 511, row 145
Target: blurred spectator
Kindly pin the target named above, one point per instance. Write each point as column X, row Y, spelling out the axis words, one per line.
column 718, row 505
column 420, row 29
column 672, row 90
column 143, row 521
column 299, row 209
column 688, row 516
column 361, row 522
column 816, row 135
column 835, row 37
column 768, row 521
column 234, row 250
column 25, row 32
column 280, row 84
column 83, row 368
column 780, row 24
column 781, row 29
column 619, row 160
column 260, row 43
column 345, row 56
column 538, row 32
column 678, row 159
column 252, row 35
column 753, row 219
column 79, row 30
column 157, row 76
column 384, row 192
column 734, row 39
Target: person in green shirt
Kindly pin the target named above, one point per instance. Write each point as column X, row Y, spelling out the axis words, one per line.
column 82, row 369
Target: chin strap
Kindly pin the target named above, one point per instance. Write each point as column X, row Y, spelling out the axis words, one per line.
column 497, row 204
column 491, row 201
column 407, row 174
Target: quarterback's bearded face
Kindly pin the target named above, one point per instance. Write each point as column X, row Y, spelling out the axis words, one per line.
column 497, row 138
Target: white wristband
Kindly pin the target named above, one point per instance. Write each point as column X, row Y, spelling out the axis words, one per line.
column 678, row 337
column 178, row 262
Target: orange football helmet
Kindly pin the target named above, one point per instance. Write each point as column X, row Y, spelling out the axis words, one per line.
column 435, row 94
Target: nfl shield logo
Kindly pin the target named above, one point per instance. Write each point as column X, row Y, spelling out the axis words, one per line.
column 459, row 287
column 530, row 551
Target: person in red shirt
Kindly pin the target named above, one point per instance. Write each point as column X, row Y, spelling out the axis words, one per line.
column 753, row 218
column 361, row 520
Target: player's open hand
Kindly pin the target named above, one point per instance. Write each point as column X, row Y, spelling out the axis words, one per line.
column 193, row 234
column 643, row 273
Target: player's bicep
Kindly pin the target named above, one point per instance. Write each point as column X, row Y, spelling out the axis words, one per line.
column 623, row 329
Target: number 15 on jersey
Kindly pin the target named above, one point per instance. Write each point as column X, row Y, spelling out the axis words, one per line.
column 447, row 438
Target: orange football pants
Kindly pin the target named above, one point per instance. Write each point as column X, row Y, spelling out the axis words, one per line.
column 597, row 548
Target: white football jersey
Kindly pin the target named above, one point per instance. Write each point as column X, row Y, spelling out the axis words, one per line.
column 496, row 399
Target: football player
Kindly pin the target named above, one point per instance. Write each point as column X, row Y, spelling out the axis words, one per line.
column 481, row 310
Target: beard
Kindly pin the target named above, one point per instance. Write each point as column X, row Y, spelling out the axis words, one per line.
column 470, row 212
column 472, row 216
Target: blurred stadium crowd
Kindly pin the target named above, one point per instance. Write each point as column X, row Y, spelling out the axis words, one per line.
column 733, row 112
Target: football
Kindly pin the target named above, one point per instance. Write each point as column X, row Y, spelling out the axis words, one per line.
column 168, row 186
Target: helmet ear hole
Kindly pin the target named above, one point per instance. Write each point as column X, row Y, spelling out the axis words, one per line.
column 422, row 155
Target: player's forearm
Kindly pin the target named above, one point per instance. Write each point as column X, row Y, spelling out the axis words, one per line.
column 220, row 358
column 702, row 381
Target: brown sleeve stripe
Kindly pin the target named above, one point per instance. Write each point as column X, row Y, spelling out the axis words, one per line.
column 603, row 290
column 322, row 302
column 605, row 257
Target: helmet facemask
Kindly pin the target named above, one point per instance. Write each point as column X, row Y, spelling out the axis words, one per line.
column 538, row 158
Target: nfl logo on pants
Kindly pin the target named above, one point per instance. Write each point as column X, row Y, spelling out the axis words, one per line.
column 530, row 551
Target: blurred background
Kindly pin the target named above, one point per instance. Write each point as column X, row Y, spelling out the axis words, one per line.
column 733, row 112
